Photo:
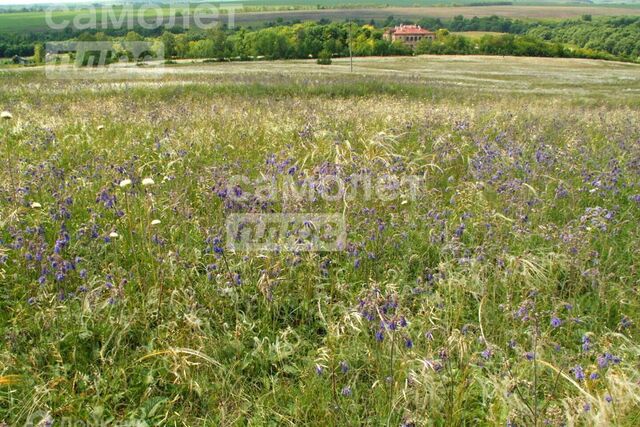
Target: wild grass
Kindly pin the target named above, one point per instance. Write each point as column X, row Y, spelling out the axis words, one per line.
column 481, row 300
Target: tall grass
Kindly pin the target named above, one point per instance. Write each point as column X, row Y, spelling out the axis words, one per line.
column 480, row 301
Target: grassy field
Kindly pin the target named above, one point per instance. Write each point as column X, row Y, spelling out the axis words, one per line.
column 414, row 13
column 406, row 3
column 576, row 80
column 36, row 21
column 501, row 288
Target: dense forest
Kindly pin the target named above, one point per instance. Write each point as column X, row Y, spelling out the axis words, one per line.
column 617, row 36
column 587, row 37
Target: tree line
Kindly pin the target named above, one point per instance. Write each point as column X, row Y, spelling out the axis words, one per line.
column 617, row 36
column 605, row 38
column 446, row 43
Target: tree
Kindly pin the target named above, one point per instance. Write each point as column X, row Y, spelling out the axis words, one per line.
column 221, row 47
column 424, row 46
column 101, row 37
column 169, row 41
column 182, row 45
column 132, row 36
column 441, row 34
column 87, row 37
column 38, row 54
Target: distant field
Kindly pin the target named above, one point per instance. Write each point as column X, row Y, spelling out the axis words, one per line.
column 409, row 3
column 522, row 12
column 535, row 76
column 569, row 78
column 35, row 21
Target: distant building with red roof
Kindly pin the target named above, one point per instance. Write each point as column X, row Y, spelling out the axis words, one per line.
column 409, row 34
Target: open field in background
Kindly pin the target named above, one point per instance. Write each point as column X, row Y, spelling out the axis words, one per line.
column 412, row 3
column 570, row 79
column 35, row 21
column 414, row 13
column 504, row 291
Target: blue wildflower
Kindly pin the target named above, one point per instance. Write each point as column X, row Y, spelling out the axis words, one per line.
column 625, row 322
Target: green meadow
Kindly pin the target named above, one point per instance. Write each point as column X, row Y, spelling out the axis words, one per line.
column 499, row 288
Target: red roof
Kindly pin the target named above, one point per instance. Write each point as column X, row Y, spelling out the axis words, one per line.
column 410, row 30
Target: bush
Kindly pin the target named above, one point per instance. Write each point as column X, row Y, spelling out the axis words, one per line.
column 324, row 57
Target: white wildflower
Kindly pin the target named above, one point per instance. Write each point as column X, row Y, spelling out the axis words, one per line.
column 155, row 222
column 36, row 205
column 114, row 235
column 148, row 181
column 6, row 115
column 125, row 183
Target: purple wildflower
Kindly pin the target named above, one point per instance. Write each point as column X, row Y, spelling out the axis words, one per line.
column 625, row 322
column 578, row 372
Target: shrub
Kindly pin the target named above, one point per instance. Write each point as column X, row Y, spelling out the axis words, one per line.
column 324, row 57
